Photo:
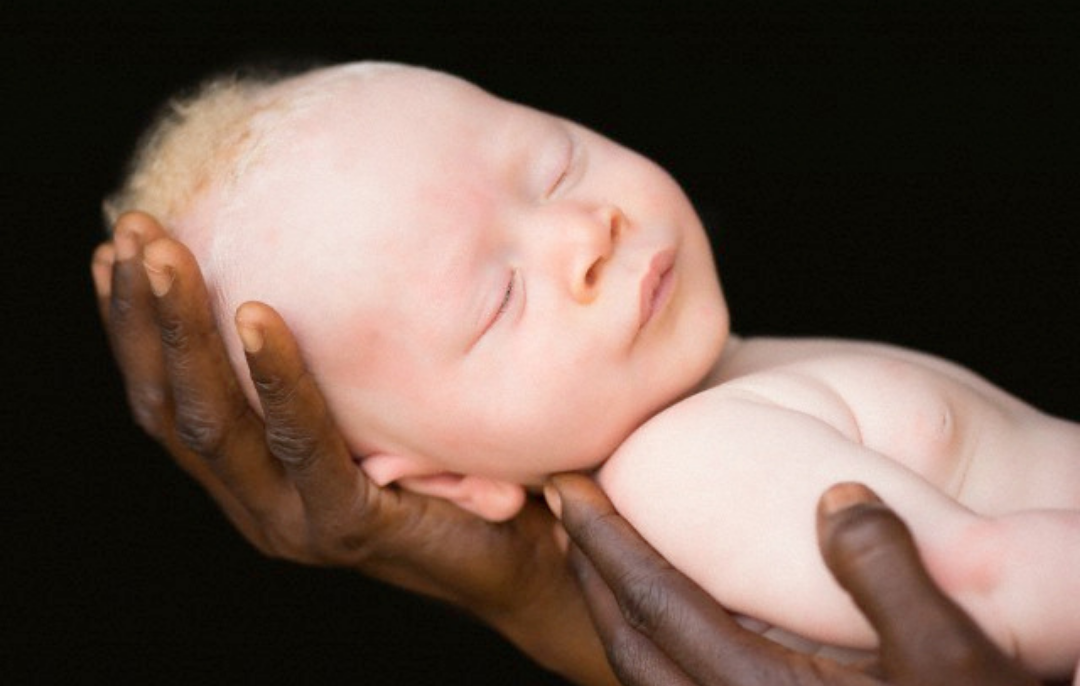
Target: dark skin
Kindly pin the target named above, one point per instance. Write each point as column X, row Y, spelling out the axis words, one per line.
column 288, row 484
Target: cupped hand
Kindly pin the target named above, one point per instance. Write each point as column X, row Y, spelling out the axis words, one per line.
column 659, row 627
column 286, row 480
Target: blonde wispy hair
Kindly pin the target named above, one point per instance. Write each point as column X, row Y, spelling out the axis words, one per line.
column 194, row 138
column 211, row 133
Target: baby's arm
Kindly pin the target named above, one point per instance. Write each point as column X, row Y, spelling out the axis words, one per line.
column 698, row 479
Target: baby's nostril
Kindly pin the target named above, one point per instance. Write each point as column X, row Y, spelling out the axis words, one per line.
column 592, row 274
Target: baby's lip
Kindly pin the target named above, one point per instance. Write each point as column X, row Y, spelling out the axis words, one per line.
column 656, row 285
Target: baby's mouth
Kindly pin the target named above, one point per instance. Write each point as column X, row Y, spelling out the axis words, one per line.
column 656, row 285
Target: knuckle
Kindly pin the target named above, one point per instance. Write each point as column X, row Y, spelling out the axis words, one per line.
column 645, row 601
column 623, row 650
column 274, row 390
column 289, row 439
column 338, row 546
column 121, row 308
column 363, row 539
column 592, row 532
column 174, row 334
column 200, row 433
column 292, row 445
column 149, row 405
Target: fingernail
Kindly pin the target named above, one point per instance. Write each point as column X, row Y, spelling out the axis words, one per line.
column 250, row 336
column 101, row 268
column 554, row 501
column 842, row 496
column 127, row 244
column 161, row 278
column 105, row 256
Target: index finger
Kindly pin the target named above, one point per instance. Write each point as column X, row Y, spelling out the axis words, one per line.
column 127, row 312
column 300, row 432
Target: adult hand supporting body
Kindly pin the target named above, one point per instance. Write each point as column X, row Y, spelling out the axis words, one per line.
column 661, row 628
column 286, row 480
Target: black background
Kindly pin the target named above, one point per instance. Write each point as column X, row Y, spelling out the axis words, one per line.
column 907, row 174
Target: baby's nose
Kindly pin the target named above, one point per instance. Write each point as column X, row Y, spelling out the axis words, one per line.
column 598, row 232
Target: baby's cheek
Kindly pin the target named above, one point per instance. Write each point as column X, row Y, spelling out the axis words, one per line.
column 579, row 433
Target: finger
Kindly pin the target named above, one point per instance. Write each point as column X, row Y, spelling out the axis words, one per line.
column 636, row 660
column 101, row 268
column 664, row 605
column 213, row 418
column 300, row 432
column 872, row 554
column 132, row 332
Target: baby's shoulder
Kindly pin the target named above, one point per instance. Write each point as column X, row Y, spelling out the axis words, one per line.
column 776, row 396
column 742, row 419
column 836, row 360
column 855, row 377
column 881, row 396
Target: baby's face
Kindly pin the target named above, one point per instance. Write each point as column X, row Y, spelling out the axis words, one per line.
column 478, row 284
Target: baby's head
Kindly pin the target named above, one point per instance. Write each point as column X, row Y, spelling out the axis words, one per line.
column 486, row 293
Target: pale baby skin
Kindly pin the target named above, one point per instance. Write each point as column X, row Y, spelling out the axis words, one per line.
column 988, row 485
column 488, row 294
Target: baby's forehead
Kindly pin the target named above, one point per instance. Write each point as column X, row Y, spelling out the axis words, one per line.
column 368, row 149
column 324, row 102
column 403, row 117
column 352, row 165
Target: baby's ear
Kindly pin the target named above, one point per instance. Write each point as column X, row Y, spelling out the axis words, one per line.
column 492, row 499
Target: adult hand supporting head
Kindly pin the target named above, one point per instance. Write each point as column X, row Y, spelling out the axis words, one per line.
column 288, row 483
column 659, row 627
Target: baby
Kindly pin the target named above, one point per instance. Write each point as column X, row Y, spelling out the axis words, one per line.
column 488, row 294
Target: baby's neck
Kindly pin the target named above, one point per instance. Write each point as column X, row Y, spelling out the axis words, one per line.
column 720, row 370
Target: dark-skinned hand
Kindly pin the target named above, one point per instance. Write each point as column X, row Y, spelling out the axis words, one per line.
column 659, row 627
column 286, row 480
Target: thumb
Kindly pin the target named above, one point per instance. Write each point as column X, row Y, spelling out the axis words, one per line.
column 925, row 637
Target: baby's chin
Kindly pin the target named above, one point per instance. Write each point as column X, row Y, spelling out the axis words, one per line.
column 584, row 462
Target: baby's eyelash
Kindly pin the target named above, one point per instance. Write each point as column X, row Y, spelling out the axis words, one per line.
column 559, row 181
column 506, row 297
column 566, row 169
